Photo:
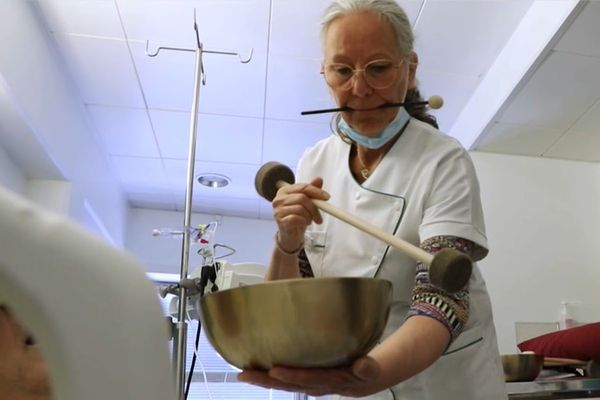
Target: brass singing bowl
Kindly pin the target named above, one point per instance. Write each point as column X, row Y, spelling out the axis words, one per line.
column 521, row 367
column 304, row 323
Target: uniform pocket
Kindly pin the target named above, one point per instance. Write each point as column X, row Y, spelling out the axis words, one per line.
column 314, row 246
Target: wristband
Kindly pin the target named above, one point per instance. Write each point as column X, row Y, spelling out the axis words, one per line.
column 284, row 251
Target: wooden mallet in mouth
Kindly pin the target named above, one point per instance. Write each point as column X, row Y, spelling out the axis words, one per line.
column 448, row 269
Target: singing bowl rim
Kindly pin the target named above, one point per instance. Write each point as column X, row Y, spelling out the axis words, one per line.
column 522, row 367
column 209, row 303
column 326, row 280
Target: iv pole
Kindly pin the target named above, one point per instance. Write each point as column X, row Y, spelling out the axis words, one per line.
column 181, row 326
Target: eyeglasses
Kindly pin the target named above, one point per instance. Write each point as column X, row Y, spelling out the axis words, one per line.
column 379, row 74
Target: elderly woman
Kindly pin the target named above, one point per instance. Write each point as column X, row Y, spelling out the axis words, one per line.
column 392, row 167
column 23, row 374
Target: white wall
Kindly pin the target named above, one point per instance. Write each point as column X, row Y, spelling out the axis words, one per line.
column 10, row 175
column 251, row 238
column 53, row 195
column 543, row 225
column 51, row 108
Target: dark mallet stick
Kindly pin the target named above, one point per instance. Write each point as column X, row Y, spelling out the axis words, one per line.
column 434, row 102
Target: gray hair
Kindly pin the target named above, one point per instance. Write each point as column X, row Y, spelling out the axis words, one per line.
column 389, row 10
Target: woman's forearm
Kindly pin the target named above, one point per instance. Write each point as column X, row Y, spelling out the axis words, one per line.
column 417, row 344
column 282, row 266
column 284, row 260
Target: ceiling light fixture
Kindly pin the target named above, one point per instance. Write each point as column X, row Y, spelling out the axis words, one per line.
column 213, row 180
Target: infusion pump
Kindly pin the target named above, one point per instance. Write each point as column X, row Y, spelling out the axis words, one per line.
column 222, row 275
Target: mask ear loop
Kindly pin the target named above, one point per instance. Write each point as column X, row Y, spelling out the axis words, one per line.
column 406, row 66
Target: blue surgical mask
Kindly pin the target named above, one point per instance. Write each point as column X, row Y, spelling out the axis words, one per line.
column 390, row 131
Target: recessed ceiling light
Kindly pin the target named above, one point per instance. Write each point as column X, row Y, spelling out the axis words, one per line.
column 213, row 180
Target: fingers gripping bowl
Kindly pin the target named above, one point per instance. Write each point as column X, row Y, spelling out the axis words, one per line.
column 307, row 323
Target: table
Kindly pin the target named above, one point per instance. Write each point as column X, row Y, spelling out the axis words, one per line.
column 572, row 388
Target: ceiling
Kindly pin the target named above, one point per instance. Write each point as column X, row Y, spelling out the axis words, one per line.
column 555, row 110
column 250, row 113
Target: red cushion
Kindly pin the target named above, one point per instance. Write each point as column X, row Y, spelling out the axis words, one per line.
column 581, row 342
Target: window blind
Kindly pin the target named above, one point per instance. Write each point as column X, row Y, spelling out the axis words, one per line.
column 213, row 378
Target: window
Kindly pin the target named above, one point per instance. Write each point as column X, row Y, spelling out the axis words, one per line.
column 213, row 377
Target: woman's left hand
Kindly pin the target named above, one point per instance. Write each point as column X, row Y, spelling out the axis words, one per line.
column 356, row 380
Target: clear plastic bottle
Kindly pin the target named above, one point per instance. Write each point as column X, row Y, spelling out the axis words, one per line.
column 566, row 320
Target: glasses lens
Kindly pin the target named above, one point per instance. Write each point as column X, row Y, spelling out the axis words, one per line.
column 337, row 75
column 380, row 74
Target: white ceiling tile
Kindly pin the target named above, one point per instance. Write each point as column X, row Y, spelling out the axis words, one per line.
column 286, row 141
column 219, row 138
column 102, row 69
column 465, row 36
column 231, row 87
column 167, row 79
column 582, row 141
column 559, row 92
column 231, row 25
column 582, row 35
column 517, row 139
column 85, row 17
column 455, row 89
column 234, row 88
column 138, row 174
column 241, row 175
column 295, row 28
column 295, row 85
column 576, row 145
column 125, row 131
column 590, row 121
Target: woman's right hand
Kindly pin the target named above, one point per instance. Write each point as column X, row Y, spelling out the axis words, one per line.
column 294, row 210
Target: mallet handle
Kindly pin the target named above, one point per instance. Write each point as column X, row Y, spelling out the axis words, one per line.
column 406, row 247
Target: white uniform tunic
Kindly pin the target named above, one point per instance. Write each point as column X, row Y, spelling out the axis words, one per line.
column 425, row 186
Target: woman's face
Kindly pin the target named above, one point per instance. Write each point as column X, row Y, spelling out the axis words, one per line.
column 355, row 40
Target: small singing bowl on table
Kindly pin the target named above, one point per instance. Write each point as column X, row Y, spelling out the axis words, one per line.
column 522, row 367
column 302, row 323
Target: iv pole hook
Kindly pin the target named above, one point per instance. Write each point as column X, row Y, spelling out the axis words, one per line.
column 200, row 47
column 243, row 60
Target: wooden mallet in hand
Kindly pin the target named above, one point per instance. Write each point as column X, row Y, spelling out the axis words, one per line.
column 448, row 269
